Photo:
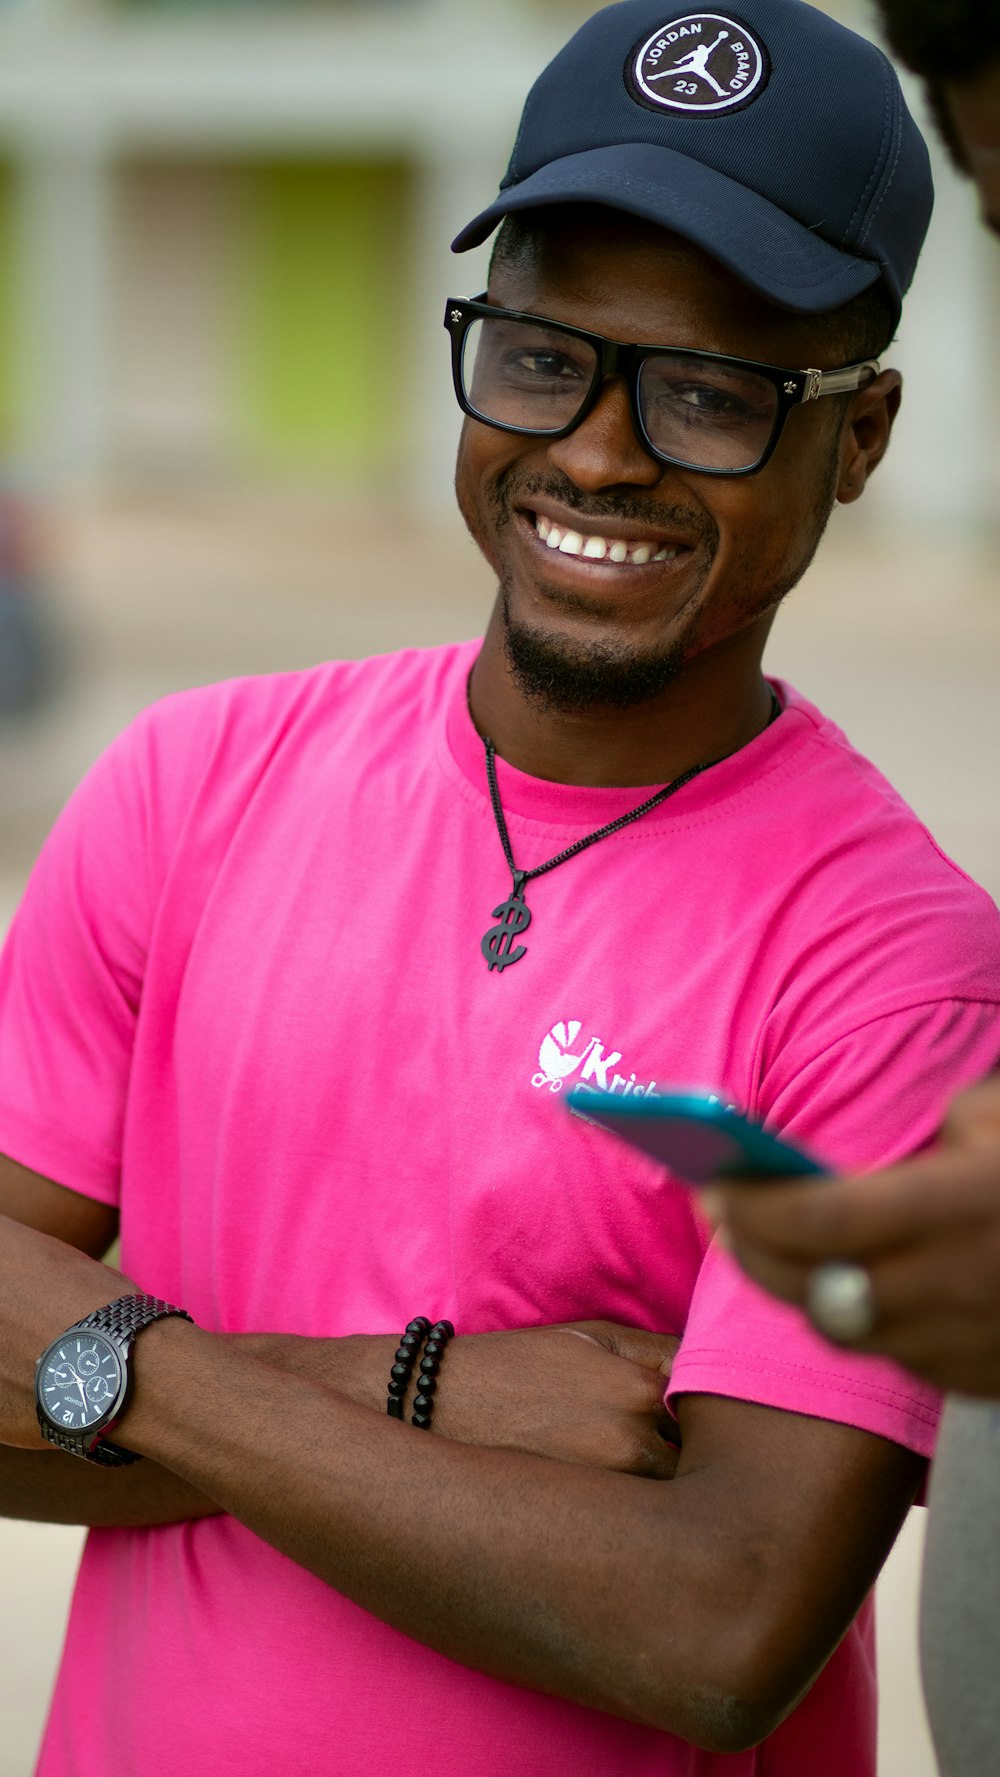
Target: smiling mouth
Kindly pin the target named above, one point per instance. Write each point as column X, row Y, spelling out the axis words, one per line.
column 594, row 547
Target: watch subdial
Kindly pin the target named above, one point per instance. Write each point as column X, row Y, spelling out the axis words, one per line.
column 98, row 1391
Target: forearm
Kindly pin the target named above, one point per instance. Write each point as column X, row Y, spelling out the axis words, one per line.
column 49, row 1487
column 578, row 1588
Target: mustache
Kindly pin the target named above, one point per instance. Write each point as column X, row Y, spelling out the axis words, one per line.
column 510, row 489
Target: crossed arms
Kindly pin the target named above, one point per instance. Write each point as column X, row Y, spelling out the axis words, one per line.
column 704, row 1604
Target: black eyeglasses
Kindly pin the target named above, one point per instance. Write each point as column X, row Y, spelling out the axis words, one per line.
column 698, row 410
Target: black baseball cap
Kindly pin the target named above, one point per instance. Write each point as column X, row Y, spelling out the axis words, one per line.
column 771, row 136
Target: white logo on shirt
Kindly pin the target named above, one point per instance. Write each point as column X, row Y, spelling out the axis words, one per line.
column 562, row 1054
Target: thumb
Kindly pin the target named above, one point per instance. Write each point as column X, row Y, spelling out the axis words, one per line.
column 654, row 1351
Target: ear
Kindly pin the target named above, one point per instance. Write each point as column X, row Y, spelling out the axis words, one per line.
column 866, row 433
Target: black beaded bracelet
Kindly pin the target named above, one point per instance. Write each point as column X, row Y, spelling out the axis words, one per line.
column 423, row 1405
column 402, row 1368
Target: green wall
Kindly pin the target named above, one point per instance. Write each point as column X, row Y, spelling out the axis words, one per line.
column 321, row 271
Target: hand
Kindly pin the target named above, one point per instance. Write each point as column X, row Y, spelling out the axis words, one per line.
column 590, row 1393
column 44, row 1287
column 928, row 1234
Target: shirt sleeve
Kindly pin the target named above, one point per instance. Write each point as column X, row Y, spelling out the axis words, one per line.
column 71, row 978
column 865, row 1102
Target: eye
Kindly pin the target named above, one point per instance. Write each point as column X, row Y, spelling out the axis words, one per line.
column 541, row 364
column 710, row 401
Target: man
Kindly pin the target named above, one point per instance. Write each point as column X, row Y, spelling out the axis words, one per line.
column 917, row 1251
column 305, row 965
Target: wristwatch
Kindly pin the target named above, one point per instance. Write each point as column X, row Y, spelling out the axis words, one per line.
column 84, row 1378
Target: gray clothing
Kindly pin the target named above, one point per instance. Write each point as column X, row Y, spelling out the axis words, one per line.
column 960, row 1604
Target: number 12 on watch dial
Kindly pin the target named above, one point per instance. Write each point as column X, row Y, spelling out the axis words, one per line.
column 79, row 1380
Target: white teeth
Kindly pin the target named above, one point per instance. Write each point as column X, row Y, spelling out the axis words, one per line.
column 574, row 543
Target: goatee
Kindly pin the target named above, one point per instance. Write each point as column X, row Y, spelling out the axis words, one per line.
column 569, row 677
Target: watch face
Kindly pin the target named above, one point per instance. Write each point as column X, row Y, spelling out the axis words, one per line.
column 79, row 1381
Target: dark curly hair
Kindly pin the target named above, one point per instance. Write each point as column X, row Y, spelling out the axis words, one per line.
column 944, row 40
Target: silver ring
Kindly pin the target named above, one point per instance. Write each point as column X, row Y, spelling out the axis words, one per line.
column 841, row 1302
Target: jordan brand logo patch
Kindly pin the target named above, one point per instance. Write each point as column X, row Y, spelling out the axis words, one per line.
column 700, row 63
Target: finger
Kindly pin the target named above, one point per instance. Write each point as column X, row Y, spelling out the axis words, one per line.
column 658, row 1443
column 946, row 1349
column 861, row 1218
column 780, row 1276
column 651, row 1350
column 974, row 1117
column 658, row 1461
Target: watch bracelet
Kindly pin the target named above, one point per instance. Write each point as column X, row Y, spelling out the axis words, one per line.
column 128, row 1315
column 121, row 1319
column 107, row 1455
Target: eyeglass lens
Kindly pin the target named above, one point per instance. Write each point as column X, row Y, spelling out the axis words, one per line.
column 705, row 414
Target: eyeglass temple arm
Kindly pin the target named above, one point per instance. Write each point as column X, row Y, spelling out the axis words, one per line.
column 840, row 382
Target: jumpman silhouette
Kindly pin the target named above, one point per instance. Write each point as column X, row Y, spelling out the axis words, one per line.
column 695, row 63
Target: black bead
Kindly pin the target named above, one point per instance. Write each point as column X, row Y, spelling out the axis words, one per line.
column 445, row 1327
column 395, row 1409
column 401, row 1372
column 420, row 1325
column 428, row 1366
column 427, row 1383
column 423, row 1420
column 398, row 1389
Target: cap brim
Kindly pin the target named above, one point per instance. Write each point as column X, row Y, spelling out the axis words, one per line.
column 774, row 254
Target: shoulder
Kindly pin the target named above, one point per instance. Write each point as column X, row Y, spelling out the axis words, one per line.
column 867, row 862
column 218, row 737
column 283, row 703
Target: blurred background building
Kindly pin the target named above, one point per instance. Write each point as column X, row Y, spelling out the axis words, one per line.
column 227, row 433
column 223, row 232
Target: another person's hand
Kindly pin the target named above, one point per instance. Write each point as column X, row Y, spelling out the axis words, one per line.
column 589, row 1393
column 921, row 1243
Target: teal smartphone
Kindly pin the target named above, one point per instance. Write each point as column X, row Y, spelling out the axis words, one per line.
column 696, row 1135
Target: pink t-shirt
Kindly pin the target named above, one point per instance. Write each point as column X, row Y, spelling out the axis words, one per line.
column 245, row 997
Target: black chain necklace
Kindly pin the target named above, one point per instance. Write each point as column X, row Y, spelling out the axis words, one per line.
column 499, row 945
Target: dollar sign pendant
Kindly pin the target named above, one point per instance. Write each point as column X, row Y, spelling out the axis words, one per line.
column 498, row 946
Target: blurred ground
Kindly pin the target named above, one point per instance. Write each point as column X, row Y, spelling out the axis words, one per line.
column 899, row 641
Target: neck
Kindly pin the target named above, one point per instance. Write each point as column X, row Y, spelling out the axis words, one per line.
column 718, row 703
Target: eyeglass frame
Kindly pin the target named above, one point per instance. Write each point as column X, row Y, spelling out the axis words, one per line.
column 794, row 388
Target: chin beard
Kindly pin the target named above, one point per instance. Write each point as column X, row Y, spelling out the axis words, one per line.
column 570, row 677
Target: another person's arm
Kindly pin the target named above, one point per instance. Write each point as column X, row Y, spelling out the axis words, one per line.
column 927, row 1232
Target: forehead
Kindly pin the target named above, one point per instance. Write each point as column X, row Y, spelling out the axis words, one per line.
column 633, row 281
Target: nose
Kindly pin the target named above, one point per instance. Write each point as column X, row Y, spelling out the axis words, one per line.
column 605, row 449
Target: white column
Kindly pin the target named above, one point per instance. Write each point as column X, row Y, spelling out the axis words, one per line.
column 64, row 247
